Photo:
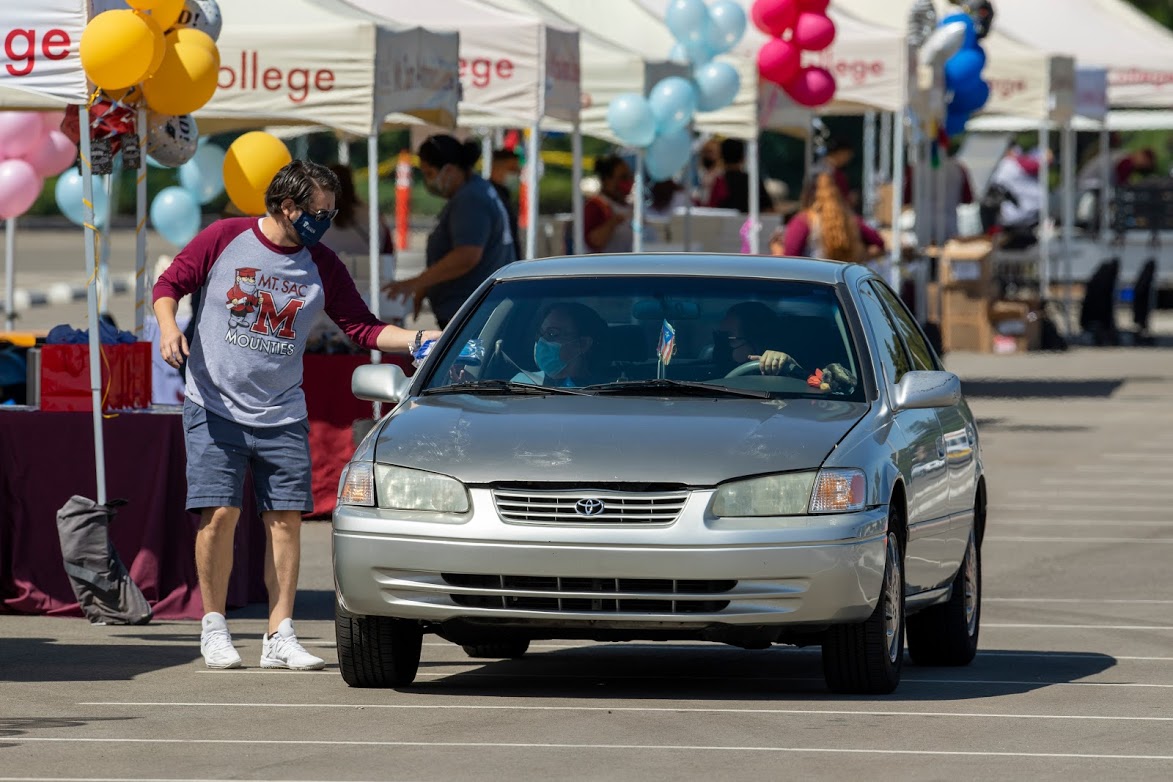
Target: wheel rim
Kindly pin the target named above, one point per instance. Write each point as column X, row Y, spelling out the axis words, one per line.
column 971, row 588
column 892, row 600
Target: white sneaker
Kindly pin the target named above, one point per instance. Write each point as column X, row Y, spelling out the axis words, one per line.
column 216, row 643
column 281, row 650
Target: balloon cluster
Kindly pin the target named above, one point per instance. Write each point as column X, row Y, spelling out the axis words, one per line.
column 794, row 27
column 31, row 148
column 660, row 122
column 968, row 91
column 157, row 53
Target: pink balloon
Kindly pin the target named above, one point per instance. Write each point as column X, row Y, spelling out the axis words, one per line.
column 20, row 131
column 814, row 32
column 53, row 155
column 814, row 6
column 52, row 119
column 812, row 87
column 774, row 17
column 19, row 188
column 779, row 61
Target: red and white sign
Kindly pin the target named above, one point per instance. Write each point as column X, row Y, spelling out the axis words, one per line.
column 40, row 53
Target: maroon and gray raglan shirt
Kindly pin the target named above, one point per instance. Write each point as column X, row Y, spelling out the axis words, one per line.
column 259, row 303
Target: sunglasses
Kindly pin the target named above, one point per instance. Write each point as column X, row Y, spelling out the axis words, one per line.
column 322, row 216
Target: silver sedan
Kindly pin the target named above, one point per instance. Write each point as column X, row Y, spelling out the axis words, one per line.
column 736, row 449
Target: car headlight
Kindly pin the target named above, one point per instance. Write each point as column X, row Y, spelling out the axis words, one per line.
column 793, row 494
column 400, row 488
column 357, row 485
column 773, row 495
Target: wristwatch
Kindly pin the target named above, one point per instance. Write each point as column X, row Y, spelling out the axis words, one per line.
column 418, row 341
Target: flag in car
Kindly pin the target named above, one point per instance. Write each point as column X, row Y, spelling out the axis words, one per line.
column 667, row 343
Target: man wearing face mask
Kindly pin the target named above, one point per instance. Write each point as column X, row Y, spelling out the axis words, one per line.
column 471, row 239
column 244, row 408
column 505, row 177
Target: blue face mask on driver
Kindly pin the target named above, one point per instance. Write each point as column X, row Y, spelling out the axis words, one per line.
column 310, row 230
column 548, row 356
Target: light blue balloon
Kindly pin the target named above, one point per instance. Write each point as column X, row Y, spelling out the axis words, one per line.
column 687, row 19
column 69, row 199
column 203, row 175
column 175, row 214
column 692, row 53
column 154, row 163
column 716, row 85
column 673, row 104
column 631, row 119
column 726, row 25
column 668, row 154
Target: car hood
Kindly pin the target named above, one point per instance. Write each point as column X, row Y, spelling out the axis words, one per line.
column 591, row 439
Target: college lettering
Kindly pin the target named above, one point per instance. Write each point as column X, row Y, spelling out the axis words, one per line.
column 297, row 82
column 244, row 340
column 20, row 46
column 270, row 321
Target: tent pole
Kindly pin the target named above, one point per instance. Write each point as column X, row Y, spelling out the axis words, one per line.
column 637, row 217
column 1107, row 187
column 140, row 234
column 896, row 250
column 1068, row 169
column 373, row 235
column 808, row 154
column 487, row 154
column 885, row 168
column 9, row 273
column 343, row 152
column 755, row 205
column 533, row 163
column 104, row 290
column 91, row 266
column 869, row 165
column 691, row 178
column 576, row 189
column 1044, row 213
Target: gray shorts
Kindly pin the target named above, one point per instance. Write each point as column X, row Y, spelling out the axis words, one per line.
column 219, row 451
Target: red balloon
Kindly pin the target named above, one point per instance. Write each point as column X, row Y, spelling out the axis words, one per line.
column 774, row 17
column 814, row 32
column 814, row 6
column 812, row 87
column 779, row 61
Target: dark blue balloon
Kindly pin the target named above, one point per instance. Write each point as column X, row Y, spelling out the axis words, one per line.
column 955, row 122
column 970, row 28
column 971, row 97
column 964, row 68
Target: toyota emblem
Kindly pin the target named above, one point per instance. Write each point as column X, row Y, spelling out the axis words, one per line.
column 589, row 507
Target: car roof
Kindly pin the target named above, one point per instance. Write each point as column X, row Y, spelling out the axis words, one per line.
column 684, row 265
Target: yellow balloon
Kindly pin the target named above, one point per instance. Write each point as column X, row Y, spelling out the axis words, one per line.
column 193, row 37
column 166, row 12
column 116, row 49
column 249, row 166
column 142, row 5
column 160, row 44
column 185, row 81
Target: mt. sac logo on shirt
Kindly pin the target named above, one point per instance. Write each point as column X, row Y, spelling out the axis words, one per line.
column 254, row 314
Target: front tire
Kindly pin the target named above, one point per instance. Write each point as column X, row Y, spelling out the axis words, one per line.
column 947, row 634
column 509, row 650
column 377, row 651
column 866, row 658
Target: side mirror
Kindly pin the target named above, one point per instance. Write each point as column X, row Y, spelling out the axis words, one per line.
column 927, row 391
column 380, row 383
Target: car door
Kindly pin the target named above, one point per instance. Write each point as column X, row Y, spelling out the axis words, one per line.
column 922, row 459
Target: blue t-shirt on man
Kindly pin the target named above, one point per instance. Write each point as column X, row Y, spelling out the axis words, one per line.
column 474, row 215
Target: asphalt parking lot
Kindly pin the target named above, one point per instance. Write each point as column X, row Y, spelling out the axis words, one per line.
column 1074, row 679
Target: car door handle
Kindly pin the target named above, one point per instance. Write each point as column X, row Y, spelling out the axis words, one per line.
column 941, row 447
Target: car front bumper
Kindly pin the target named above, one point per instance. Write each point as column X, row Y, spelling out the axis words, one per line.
column 696, row 572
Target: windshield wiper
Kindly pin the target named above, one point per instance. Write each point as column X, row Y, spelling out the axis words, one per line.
column 676, row 387
column 501, row 387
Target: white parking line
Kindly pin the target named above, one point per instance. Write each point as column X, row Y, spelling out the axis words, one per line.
column 138, row 779
column 1003, row 626
column 1043, row 521
column 1073, row 600
column 1006, row 539
column 1115, row 482
column 633, row 709
column 620, row 747
column 1084, row 508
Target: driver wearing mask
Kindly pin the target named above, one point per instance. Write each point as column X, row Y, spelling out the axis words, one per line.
column 566, row 351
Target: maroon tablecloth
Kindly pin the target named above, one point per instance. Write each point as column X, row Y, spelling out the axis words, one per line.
column 47, row 457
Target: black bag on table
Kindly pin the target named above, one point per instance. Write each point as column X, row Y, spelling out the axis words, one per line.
column 103, row 587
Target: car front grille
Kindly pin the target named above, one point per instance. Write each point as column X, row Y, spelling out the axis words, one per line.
column 591, row 595
column 587, row 506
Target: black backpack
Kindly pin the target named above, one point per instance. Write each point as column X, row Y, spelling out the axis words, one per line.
column 103, row 587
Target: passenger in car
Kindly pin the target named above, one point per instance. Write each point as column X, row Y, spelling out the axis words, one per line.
column 568, row 350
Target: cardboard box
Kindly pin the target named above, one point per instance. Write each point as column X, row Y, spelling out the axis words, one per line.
column 966, row 262
column 65, row 377
column 962, row 310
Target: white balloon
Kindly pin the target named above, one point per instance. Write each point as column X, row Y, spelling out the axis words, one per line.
column 202, row 15
column 172, row 141
column 945, row 42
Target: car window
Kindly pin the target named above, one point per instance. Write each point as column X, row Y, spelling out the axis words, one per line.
column 893, row 357
column 789, row 339
column 922, row 355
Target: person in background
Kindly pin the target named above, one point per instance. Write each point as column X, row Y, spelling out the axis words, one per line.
column 1137, row 164
column 839, row 156
column 958, row 188
column 1018, row 175
column 607, row 215
column 827, row 228
column 731, row 190
column 351, row 236
column 244, row 408
column 710, row 171
column 505, row 175
column 471, row 239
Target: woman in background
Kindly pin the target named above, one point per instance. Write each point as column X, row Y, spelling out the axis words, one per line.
column 827, row 228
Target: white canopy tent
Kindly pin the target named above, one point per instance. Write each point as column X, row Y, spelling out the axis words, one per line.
column 515, row 69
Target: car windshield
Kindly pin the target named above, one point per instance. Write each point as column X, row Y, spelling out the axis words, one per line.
column 612, row 335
